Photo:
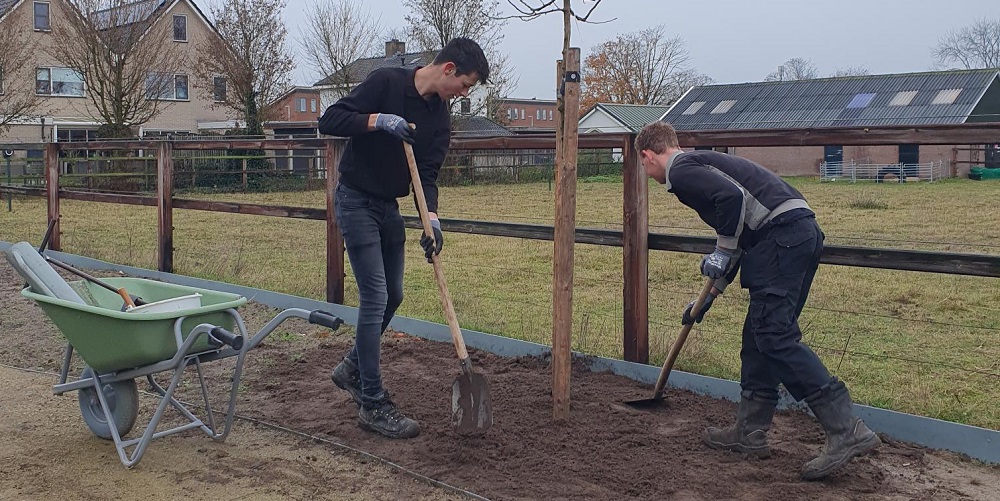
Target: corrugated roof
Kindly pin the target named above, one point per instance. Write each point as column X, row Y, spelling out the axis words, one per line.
column 634, row 116
column 824, row 102
column 126, row 14
column 359, row 69
column 477, row 126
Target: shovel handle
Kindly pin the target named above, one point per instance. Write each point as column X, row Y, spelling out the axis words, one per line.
column 449, row 308
column 675, row 348
column 125, row 297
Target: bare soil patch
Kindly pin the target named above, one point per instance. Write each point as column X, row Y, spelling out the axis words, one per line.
column 606, row 451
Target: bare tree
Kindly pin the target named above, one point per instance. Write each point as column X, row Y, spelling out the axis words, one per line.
column 851, row 71
column 17, row 81
column 974, row 46
column 796, row 68
column 433, row 23
column 337, row 33
column 641, row 67
column 117, row 49
column 251, row 54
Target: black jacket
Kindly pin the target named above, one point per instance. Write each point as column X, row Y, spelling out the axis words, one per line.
column 374, row 162
column 733, row 195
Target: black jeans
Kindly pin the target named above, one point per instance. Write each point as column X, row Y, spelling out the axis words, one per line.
column 375, row 240
column 778, row 269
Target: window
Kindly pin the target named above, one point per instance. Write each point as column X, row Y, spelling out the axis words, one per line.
column 550, row 114
column 723, row 107
column 219, row 89
column 695, row 106
column 1, row 80
column 522, row 113
column 180, row 28
column 166, row 86
column 58, row 82
column 302, row 104
column 903, row 98
column 947, row 96
column 312, row 105
column 538, row 114
column 42, row 16
column 860, row 101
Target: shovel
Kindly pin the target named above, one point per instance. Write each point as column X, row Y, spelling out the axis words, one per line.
column 657, row 400
column 471, row 405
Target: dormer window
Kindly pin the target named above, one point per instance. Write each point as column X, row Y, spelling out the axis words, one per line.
column 42, row 16
column 180, row 28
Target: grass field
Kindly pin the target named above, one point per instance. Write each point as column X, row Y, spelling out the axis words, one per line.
column 916, row 342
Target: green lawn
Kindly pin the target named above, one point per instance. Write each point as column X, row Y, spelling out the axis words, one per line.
column 916, row 342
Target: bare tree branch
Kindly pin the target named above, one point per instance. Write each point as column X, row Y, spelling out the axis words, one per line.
column 337, row 33
column 17, row 82
column 973, row 46
column 251, row 54
column 117, row 50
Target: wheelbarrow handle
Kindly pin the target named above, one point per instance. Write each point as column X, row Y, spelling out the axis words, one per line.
column 220, row 336
column 325, row 319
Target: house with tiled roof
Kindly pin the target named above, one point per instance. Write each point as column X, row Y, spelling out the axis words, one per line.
column 906, row 99
column 610, row 117
column 333, row 87
column 66, row 113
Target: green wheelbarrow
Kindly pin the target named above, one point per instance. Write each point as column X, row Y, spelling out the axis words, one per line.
column 177, row 327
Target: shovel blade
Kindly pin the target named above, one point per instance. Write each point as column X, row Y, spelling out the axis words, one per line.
column 648, row 403
column 471, row 405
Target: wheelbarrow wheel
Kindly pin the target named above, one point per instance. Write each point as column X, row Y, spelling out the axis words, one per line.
column 123, row 400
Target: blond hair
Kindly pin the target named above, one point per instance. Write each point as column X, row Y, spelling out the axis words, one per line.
column 656, row 137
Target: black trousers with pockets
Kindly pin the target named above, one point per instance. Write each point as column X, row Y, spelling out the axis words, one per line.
column 778, row 269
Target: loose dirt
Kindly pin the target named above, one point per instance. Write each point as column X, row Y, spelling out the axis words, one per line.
column 605, row 452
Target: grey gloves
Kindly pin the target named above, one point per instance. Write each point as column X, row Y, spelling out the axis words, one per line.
column 395, row 125
column 686, row 318
column 433, row 246
column 718, row 263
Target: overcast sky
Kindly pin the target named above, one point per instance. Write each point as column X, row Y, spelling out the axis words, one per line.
column 729, row 40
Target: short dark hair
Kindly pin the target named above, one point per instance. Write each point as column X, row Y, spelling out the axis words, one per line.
column 468, row 58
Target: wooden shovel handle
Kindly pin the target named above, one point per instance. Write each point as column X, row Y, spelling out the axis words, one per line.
column 675, row 348
column 126, row 297
column 449, row 309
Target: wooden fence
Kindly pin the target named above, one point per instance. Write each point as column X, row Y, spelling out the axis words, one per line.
column 634, row 238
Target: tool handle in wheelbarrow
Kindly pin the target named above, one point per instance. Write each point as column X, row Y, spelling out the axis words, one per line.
column 325, row 319
column 219, row 336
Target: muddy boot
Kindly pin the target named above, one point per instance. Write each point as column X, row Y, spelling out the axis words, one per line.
column 749, row 434
column 846, row 436
column 347, row 377
column 384, row 418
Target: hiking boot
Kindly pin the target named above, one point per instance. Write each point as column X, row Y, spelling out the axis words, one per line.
column 347, row 377
column 385, row 419
column 749, row 434
column 846, row 435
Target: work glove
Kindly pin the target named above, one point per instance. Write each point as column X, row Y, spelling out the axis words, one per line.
column 433, row 246
column 718, row 263
column 686, row 318
column 395, row 125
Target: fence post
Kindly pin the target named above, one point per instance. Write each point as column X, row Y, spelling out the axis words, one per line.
column 52, row 192
column 244, row 174
column 635, row 241
column 334, row 240
column 165, row 207
column 954, row 162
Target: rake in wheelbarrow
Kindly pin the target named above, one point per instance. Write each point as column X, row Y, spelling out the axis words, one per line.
column 178, row 327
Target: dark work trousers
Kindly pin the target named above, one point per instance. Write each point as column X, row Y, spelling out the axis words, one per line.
column 778, row 269
column 375, row 240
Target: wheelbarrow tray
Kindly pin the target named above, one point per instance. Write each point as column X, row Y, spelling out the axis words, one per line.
column 110, row 340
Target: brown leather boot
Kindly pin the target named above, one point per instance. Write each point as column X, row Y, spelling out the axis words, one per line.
column 846, row 436
column 749, row 434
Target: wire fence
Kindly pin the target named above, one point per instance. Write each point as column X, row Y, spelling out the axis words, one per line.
column 853, row 171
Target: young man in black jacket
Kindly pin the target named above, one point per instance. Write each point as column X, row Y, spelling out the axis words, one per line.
column 375, row 116
column 765, row 227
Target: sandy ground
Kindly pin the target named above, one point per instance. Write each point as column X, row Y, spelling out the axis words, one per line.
column 606, row 451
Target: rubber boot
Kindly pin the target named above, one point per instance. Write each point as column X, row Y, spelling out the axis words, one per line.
column 749, row 434
column 846, row 435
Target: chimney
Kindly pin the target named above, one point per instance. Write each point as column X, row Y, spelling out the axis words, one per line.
column 393, row 47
